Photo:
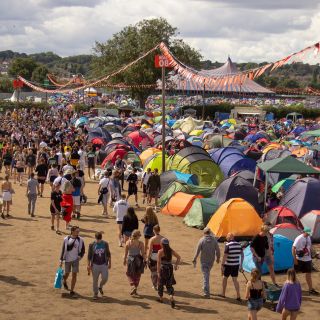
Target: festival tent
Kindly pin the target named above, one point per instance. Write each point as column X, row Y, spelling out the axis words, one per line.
column 287, row 230
column 231, row 160
column 284, row 166
column 195, row 160
column 216, row 141
column 280, row 215
column 312, row 221
column 113, row 156
column 140, row 139
column 195, row 141
column 237, row 187
column 236, row 216
column 170, row 176
column 154, row 162
column 148, row 153
column 200, row 212
column 178, row 186
column 179, row 204
column 245, row 174
column 99, row 133
column 97, row 141
column 303, row 196
column 313, row 133
column 187, row 125
column 283, row 259
column 81, row 122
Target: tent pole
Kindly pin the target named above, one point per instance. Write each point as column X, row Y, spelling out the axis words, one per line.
column 265, row 191
column 255, row 176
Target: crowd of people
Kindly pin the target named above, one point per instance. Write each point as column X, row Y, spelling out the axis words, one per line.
column 44, row 147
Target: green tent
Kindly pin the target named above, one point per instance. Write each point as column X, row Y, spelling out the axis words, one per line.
column 200, row 213
column 178, row 186
column 195, row 160
column 154, row 162
column 313, row 133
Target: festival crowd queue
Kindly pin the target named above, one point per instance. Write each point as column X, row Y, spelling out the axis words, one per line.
column 61, row 162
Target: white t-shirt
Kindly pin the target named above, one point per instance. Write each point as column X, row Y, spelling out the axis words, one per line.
column 303, row 244
column 145, row 178
column 60, row 181
column 120, row 209
column 73, row 254
column 104, row 183
column 59, row 154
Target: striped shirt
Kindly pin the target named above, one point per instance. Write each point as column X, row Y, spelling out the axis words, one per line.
column 233, row 249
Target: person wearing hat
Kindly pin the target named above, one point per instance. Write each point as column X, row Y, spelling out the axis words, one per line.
column 165, row 270
column 301, row 251
column 208, row 249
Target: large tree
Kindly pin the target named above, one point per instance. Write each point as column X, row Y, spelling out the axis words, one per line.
column 39, row 74
column 22, row 67
column 130, row 43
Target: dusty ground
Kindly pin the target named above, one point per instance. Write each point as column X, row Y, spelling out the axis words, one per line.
column 29, row 255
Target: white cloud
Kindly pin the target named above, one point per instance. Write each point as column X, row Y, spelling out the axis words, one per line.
column 247, row 29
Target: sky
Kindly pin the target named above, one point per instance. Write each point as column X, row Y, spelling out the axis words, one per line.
column 247, row 30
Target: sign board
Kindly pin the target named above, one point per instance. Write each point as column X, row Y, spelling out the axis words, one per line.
column 161, row 61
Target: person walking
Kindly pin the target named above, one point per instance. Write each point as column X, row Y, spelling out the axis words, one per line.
column 99, row 262
column 103, row 191
column 144, row 182
column 291, row 297
column 208, row 249
column 231, row 264
column 120, row 166
column 255, row 294
column 152, row 255
column 135, row 260
column 150, row 220
column 55, row 207
column 301, row 251
column 133, row 188
column 32, row 187
column 153, row 187
column 42, row 171
column 165, row 270
column 7, row 191
column 120, row 209
column 72, row 252
column 67, row 202
column 130, row 222
column 261, row 252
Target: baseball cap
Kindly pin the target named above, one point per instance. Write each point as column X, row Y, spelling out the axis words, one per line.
column 307, row 230
column 165, row 241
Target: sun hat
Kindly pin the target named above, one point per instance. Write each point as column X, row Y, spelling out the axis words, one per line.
column 307, row 230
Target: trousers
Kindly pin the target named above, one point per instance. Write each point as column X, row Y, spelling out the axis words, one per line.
column 205, row 269
column 98, row 270
column 32, row 198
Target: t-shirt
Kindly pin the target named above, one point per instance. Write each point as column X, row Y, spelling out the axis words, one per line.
column 303, row 244
column 32, row 186
column 132, row 179
column 67, row 167
column 234, row 250
column 53, row 160
column 99, row 255
column 74, row 159
column 120, row 209
column 31, row 160
column 76, row 183
column 56, row 197
column 145, row 178
column 260, row 244
column 104, row 183
column 42, row 170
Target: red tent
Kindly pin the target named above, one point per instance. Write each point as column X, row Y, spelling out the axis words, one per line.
column 97, row 141
column 140, row 139
column 287, row 230
column 113, row 156
column 280, row 215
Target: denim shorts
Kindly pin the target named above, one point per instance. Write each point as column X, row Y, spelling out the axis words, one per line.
column 255, row 304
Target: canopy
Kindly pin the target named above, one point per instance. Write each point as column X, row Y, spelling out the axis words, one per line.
column 283, row 259
column 236, row 216
column 200, row 212
column 287, row 165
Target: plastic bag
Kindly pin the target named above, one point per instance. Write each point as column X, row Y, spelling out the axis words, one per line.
column 58, row 279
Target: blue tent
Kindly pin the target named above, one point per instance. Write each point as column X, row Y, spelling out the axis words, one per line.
column 195, row 141
column 283, row 259
column 231, row 160
column 170, row 176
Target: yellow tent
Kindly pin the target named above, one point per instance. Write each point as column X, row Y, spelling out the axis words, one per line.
column 196, row 133
column 271, row 146
column 236, row 216
column 148, row 153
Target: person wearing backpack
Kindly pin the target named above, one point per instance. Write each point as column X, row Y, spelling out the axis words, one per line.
column 99, row 262
column 72, row 252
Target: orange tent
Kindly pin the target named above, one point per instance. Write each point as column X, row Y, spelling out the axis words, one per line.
column 236, row 216
column 179, row 204
column 148, row 153
column 300, row 152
